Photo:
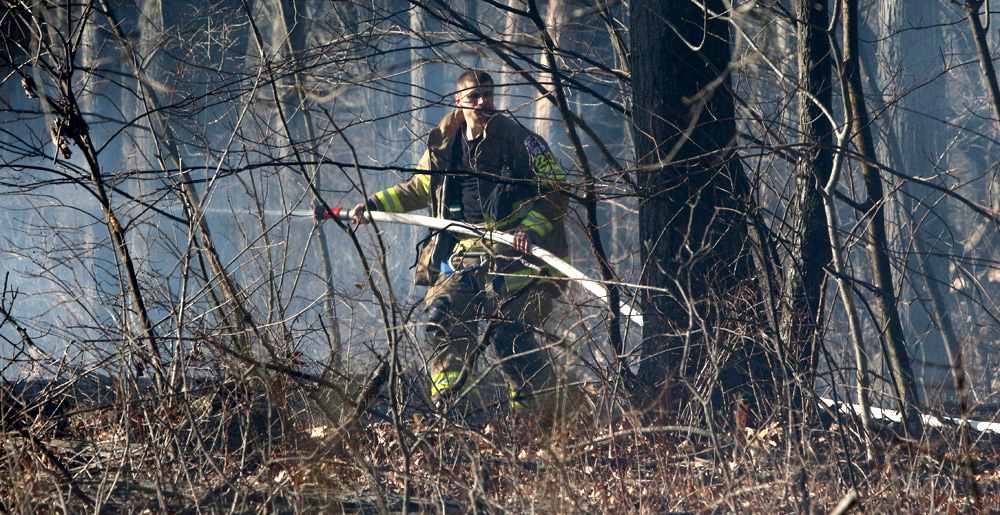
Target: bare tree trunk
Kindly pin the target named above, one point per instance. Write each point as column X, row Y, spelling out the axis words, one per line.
column 516, row 91
column 66, row 123
column 118, row 240
column 589, row 202
column 971, row 8
column 809, row 250
column 239, row 318
column 979, row 34
column 914, row 144
column 288, row 38
column 891, row 329
column 846, row 292
column 545, row 108
column 952, row 345
column 693, row 203
column 418, row 80
column 97, row 96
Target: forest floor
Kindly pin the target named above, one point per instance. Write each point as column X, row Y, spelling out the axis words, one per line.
column 223, row 449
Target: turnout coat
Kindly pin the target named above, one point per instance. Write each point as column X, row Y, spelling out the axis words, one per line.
column 517, row 175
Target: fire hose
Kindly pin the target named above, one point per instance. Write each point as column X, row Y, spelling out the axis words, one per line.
column 595, row 287
column 592, row 285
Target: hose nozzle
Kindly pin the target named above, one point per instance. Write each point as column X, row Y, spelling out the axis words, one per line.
column 322, row 213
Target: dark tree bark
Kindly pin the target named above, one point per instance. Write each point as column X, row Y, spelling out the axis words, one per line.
column 890, row 328
column 979, row 34
column 914, row 145
column 809, row 250
column 693, row 197
column 546, row 111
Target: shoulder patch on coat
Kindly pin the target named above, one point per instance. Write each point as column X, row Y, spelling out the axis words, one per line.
column 535, row 145
column 542, row 160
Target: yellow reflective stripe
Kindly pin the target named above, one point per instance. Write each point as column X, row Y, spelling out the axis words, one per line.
column 520, row 278
column 469, row 245
column 515, row 403
column 397, row 205
column 517, row 280
column 443, row 381
column 424, row 183
column 538, row 218
column 445, row 376
column 380, row 197
column 384, row 203
column 537, row 222
column 537, row 228
column 390, row 201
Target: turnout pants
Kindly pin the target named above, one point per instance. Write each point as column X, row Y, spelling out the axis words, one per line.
column 472, row 308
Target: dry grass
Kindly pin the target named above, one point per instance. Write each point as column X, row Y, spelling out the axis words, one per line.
column 223, row 448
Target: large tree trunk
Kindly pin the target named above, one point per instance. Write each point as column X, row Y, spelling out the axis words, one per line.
column 546, row 112
column 914, row 146
column 418, row 82
column 890, row 328
column 236, row 313
column 692, row 196
column 66, row 123
column 989, row 77
column 515, row 92
column 286, row 38
column 98, row 96
column 589, row 202
column 809, row 249
column 979, row 35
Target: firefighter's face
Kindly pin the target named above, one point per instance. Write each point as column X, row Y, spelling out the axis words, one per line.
column 476, row 102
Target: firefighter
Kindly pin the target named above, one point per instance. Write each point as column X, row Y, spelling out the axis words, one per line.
column 483, row 167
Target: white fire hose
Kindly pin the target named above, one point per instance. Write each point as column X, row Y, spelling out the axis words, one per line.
column 594, row 286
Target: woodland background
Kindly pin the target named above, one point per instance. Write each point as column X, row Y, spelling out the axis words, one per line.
column 801, row 197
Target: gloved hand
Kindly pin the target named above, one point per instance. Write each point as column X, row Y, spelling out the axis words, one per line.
column 359, row 214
